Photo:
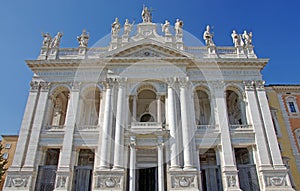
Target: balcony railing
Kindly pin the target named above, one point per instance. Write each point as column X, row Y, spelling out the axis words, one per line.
column 55, row 128
column 146, row 125
column 240, row 127
column 207, row 127
column 87, row 127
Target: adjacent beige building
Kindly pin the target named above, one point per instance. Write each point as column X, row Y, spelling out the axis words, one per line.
column 9, row 144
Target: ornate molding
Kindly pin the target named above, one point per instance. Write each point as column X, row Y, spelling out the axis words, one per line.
column 183, row 182
column 17, row 181
column 172, row 82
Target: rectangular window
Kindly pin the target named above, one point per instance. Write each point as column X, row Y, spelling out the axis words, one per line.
column 5, row 156
column 292, row 107
column 7, row 146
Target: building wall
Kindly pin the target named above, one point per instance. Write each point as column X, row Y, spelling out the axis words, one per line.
column 9, row 143
column 287, row 123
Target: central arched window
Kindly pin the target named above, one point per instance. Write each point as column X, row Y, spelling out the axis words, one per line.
column 146, row 105
column 235, row 108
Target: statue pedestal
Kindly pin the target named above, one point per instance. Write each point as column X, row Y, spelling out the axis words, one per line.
column 250, row 52
column 82, row 52
column 43, row 53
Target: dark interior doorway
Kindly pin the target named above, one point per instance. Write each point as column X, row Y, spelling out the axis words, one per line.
column 147, row 179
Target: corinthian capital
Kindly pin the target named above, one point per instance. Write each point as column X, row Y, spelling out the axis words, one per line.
column 34, row 86
column 110, row 82
column 184, row 82
column 171, row 81
column 45, row 86
column 260, row 84
column 249, row 85
column 121, row 82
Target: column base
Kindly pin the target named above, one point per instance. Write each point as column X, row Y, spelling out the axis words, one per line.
column 109, row 180
column 183, row 180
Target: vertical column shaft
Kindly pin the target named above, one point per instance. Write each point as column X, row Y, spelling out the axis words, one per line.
column 36, row 127
column 158, row 109
column 172, row 126
column 24, row 136
column 106, row 133
column 120, row 124
column 134, row 104
column 160, row 164
column 132, row 165
column 186, row 135
column 66, row 153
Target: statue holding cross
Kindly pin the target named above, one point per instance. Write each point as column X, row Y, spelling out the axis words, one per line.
column 146, row 15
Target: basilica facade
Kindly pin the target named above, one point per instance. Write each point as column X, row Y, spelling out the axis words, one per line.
column 147, row 112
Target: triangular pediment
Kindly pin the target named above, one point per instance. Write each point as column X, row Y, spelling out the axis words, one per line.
column 149, row 49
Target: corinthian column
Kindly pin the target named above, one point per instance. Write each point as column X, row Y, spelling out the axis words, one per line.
column 120, row 124
column 106, row 130
column 25, row 127
column 36, row 127
column 172, row 125
column 186, row 134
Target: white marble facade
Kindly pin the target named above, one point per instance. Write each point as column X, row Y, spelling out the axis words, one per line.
column 147, row 113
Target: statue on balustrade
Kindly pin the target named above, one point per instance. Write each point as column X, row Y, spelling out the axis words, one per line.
column 247, row 37
column 208, row 37
column 127, row 27
column 237, row 39
column 178, row 27
column 146, row 15
column 47, row 39
column 83, row 39
column 56, row 40
column 166, row 28
column 115, row 27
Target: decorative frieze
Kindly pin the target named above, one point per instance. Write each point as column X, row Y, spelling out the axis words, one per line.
column 231, row 181
column 183, row 182
column 61, row 181
column 275, row 181
column 109, row 182
column 17, row 181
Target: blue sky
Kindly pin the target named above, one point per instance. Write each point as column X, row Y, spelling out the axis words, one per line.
column 275, row 26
